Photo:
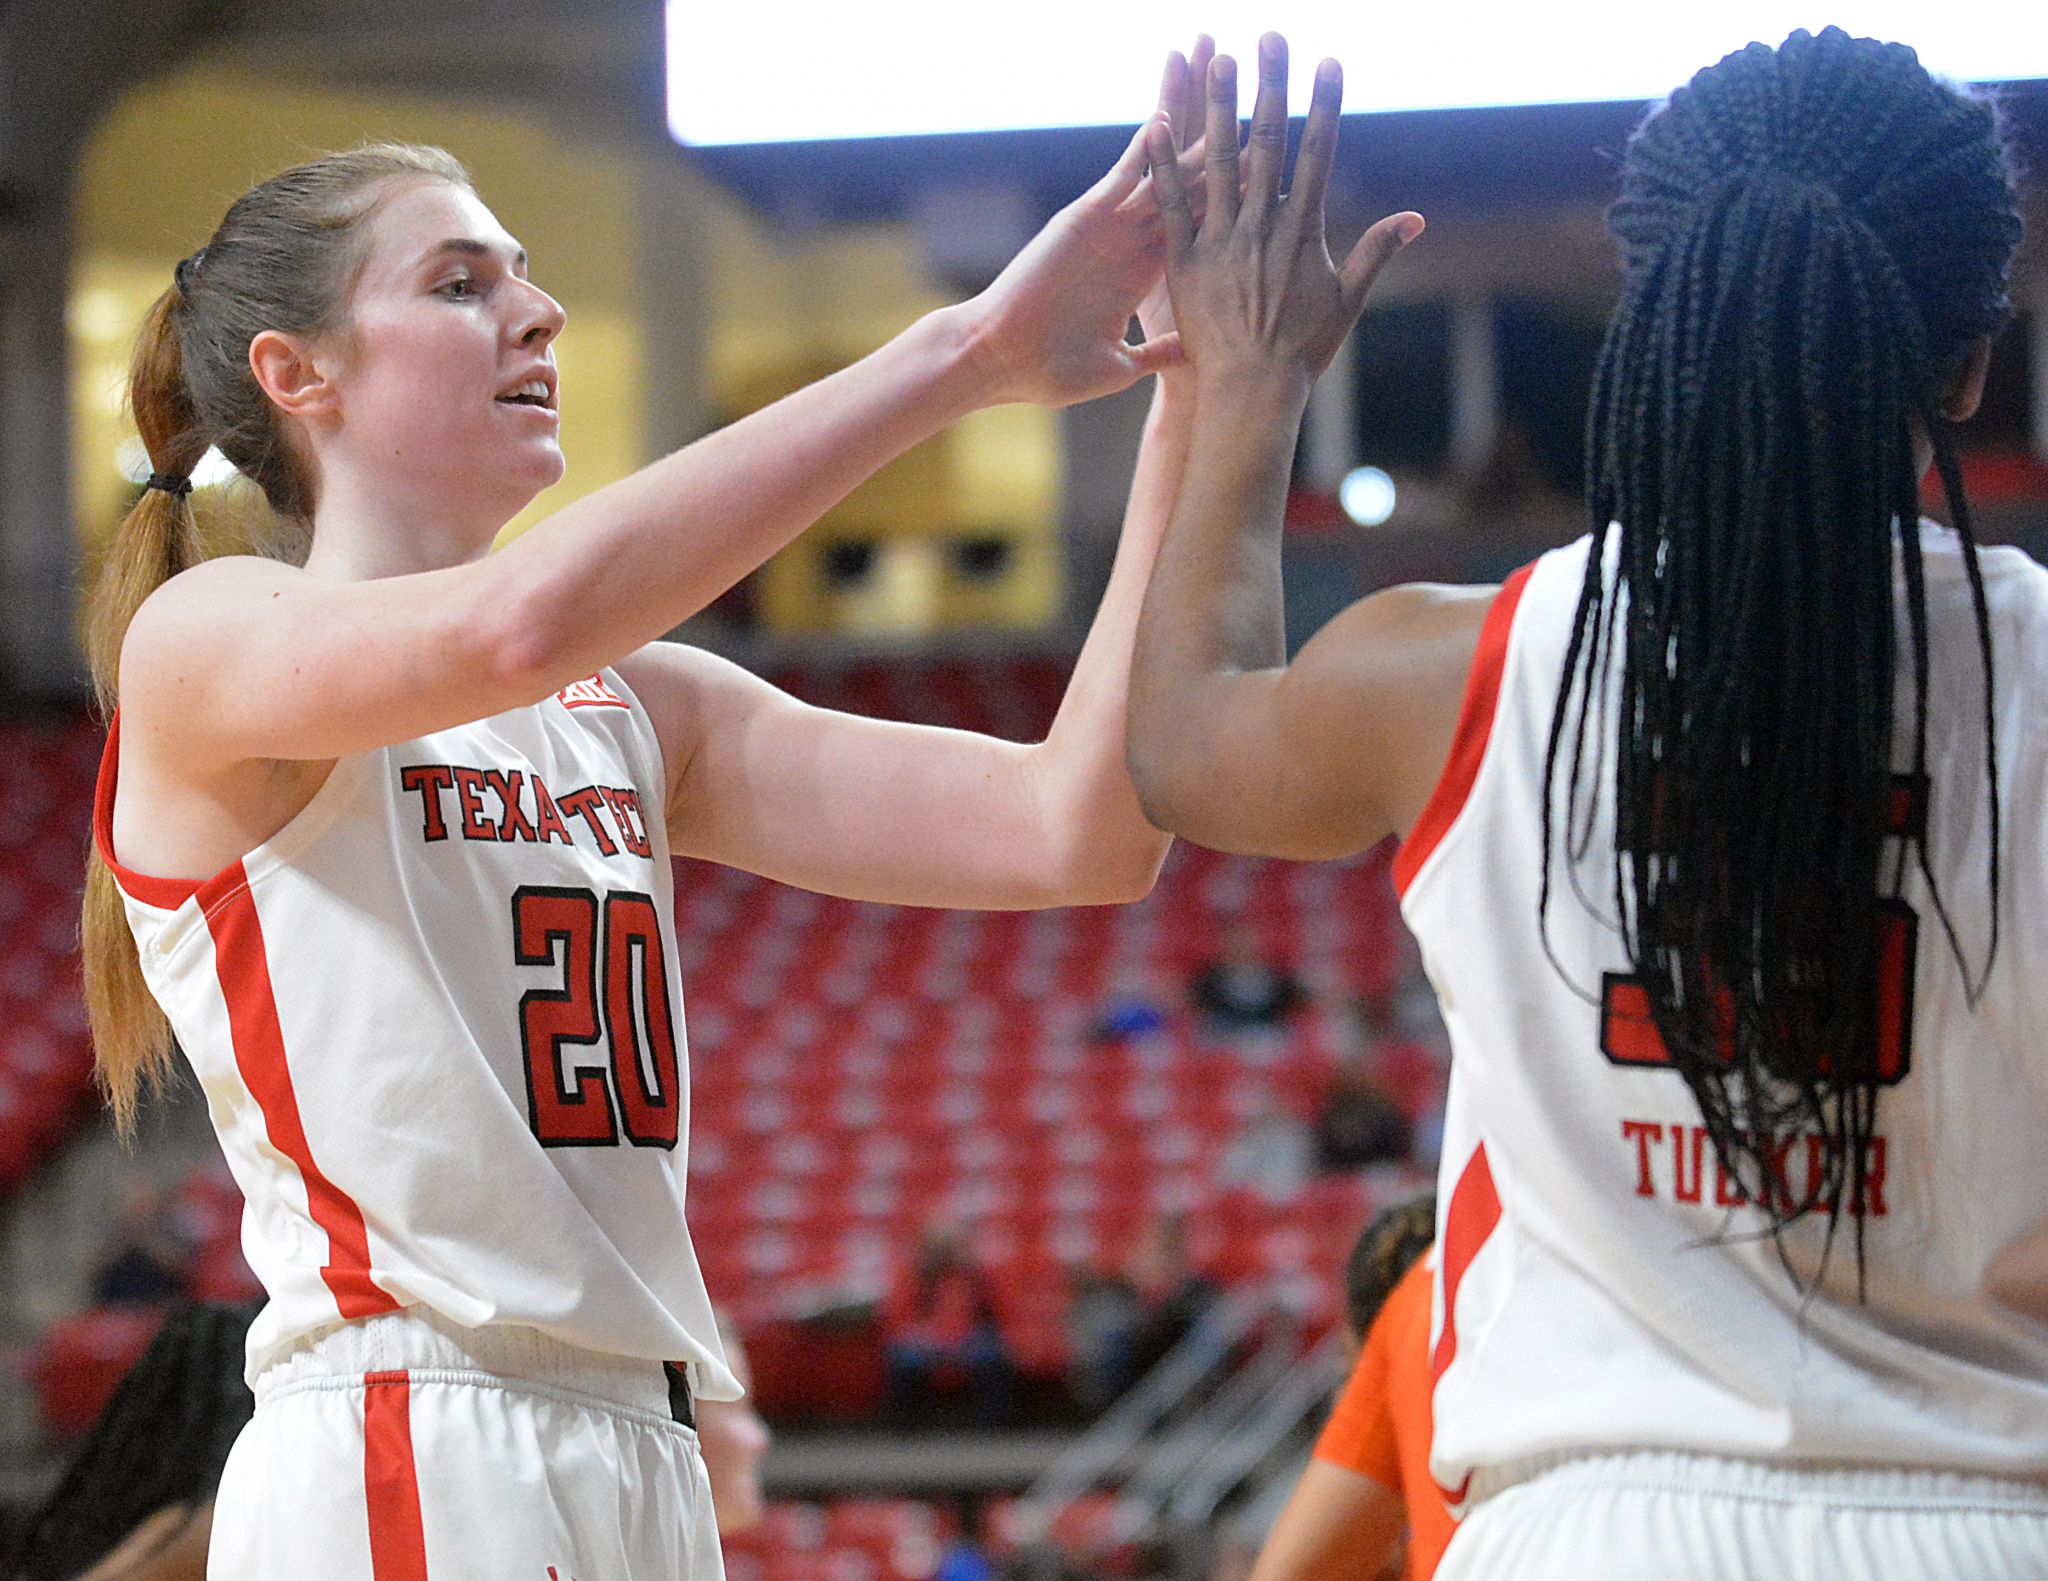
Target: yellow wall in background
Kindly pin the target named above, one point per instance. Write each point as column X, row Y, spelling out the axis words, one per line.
column 790, row 309
column 783, row 307
column 167, row 162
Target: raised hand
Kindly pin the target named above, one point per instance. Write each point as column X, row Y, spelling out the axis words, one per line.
column 1053, row 322
column 1180, row 99
column 1252, row 280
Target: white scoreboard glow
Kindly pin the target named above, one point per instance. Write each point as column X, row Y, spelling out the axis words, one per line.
column 745, row 71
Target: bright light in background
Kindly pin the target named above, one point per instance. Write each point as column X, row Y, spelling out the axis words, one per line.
column 133, row 462
column 746, row 74
column 1367, row 495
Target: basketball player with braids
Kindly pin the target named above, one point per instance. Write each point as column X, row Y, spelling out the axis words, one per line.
column 1720, row 834
column 136, row 1501
column 384, row 838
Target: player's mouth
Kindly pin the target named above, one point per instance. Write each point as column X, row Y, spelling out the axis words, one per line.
column 537, row 389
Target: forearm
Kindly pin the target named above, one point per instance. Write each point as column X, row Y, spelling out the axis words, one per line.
column 1084, row 790
column 1214, row 609
column 630, row 562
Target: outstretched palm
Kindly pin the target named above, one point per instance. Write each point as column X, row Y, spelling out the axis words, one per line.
column 1252, row 279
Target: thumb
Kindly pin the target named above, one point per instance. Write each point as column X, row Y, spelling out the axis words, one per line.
column 1122, row 178
column 1155, row 356
column 1370, row 256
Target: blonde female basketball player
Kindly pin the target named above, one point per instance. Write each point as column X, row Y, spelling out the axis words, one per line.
column 384, row 839
column 1741, row 1273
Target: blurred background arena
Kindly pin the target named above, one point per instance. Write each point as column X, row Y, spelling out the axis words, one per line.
column 1033, row 1225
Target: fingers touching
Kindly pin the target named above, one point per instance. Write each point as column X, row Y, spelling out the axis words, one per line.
column 1170, row 185
column 1266, row 152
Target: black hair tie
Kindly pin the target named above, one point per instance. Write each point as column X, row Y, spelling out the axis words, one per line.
column 174, row 483
column 187, row 268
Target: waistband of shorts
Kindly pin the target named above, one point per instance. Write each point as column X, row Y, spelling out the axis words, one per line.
column 418, row 1339
column 1723, row 1476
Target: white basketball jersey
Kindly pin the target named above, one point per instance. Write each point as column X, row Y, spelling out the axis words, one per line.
column 1583, row 1302
column 438, row 1023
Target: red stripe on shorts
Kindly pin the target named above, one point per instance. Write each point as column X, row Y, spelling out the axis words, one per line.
column 391, row 1483
column 1474, row 1212
column 243, row 966
column 1468, row 742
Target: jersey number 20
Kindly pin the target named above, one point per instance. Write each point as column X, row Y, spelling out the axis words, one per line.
column 614, row 986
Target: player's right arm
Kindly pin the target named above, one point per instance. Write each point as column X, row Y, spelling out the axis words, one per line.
column 249, row 659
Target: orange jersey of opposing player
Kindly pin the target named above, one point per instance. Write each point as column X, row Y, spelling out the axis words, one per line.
column 1380, row 1427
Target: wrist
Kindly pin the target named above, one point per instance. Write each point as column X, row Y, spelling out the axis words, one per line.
column 1173, row 395
column 1258, row 389
column 975, row 363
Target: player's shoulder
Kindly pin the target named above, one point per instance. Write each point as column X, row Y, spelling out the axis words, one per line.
column 1422, row 611
column 202, row 602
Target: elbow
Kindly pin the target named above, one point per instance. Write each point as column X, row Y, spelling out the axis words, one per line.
column 1113, row 864
column 1153, row 779
column 1129, row 874
column 512, row 637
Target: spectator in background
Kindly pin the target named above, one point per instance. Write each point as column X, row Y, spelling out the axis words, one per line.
column 966, row 1557
column 1357, row 1125
column 136, row 1502
column 1240, row 991
column 1173, row 1292
column 1345, row 1518
column 1132, row 1009
column 1103, row 1315
column 733, row 1438
column 942, row 1337
column 1272, row 1154
column 147, row 1262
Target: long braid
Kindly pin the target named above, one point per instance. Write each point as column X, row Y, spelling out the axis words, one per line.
column 1815, row 238
column 160, row 1444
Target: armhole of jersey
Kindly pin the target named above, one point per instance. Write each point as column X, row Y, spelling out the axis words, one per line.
column 164, row 894
column 1468, row 741
column 650, row 746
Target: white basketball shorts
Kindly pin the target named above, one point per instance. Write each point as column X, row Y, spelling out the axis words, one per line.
column 1673, row 1517
column 404, row 1448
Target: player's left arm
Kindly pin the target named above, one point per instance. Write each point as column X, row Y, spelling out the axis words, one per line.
column 1231, row 745
column 1338, row 1525
column 911, row 814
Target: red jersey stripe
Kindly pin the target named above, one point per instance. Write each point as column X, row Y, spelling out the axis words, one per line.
column 1468, row 742
column 391, row 1484
column 166, row 894
column 1474, row 1211
column 243, row 966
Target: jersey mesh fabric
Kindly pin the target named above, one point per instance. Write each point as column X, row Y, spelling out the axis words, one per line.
column 438, row 1023
column 1599, row 1287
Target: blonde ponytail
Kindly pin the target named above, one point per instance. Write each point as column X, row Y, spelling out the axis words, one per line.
column 130, row 1037
column 284, row 257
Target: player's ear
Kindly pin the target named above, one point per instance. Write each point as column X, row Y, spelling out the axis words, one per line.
column 1965, row 391
column 294, row 374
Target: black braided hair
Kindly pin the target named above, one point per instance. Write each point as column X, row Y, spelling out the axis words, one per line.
column 1815, row 239
column 159, row 1444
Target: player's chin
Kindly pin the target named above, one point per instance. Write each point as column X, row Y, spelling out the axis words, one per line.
column 540, row 465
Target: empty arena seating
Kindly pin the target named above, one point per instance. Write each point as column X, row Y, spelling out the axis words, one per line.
column 860, row 1072
column 874, row 1539
column 46, row 778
